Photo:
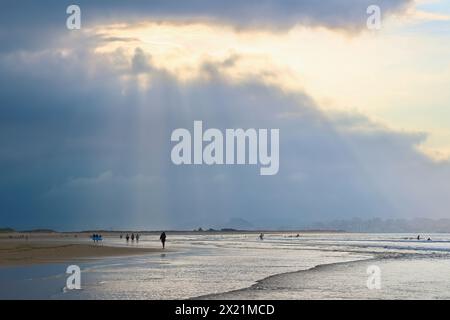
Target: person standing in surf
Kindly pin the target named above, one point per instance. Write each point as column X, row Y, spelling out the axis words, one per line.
column 162, row 237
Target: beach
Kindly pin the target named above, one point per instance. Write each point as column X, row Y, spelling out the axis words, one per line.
column 232, row 266
column 25, row 249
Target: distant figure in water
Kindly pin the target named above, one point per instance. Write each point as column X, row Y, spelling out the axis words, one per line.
column 127, row 237
column 418, row 237
column 137, row 237
column 162, row 237
column 121, row 236
column 298, row 235
column 132, row 237
column 429, row 239
column 261, row 236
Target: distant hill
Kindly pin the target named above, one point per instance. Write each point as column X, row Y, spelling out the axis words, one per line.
column 238, row 224
column 6, row 230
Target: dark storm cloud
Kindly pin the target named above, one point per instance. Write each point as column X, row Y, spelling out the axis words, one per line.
column 27, row 24
column 81, row 149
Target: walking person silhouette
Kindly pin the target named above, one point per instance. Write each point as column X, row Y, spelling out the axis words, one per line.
column 162, row 237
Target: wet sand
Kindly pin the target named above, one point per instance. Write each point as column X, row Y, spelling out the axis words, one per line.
column 19, row 250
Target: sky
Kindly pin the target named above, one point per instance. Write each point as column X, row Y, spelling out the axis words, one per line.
column 86, row 115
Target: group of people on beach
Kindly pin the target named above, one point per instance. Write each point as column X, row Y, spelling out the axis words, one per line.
column 162, row 237
column 132, row 237
column 97, row 237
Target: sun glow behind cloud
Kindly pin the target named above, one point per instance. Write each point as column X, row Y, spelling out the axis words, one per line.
column 382, row 74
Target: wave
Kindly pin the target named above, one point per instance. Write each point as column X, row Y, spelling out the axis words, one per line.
column 268, row 282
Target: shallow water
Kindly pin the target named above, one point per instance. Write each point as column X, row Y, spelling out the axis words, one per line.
column 404, row 278
column 208, row 264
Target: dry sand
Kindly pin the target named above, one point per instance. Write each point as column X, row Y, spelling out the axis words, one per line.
column 32, row 249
